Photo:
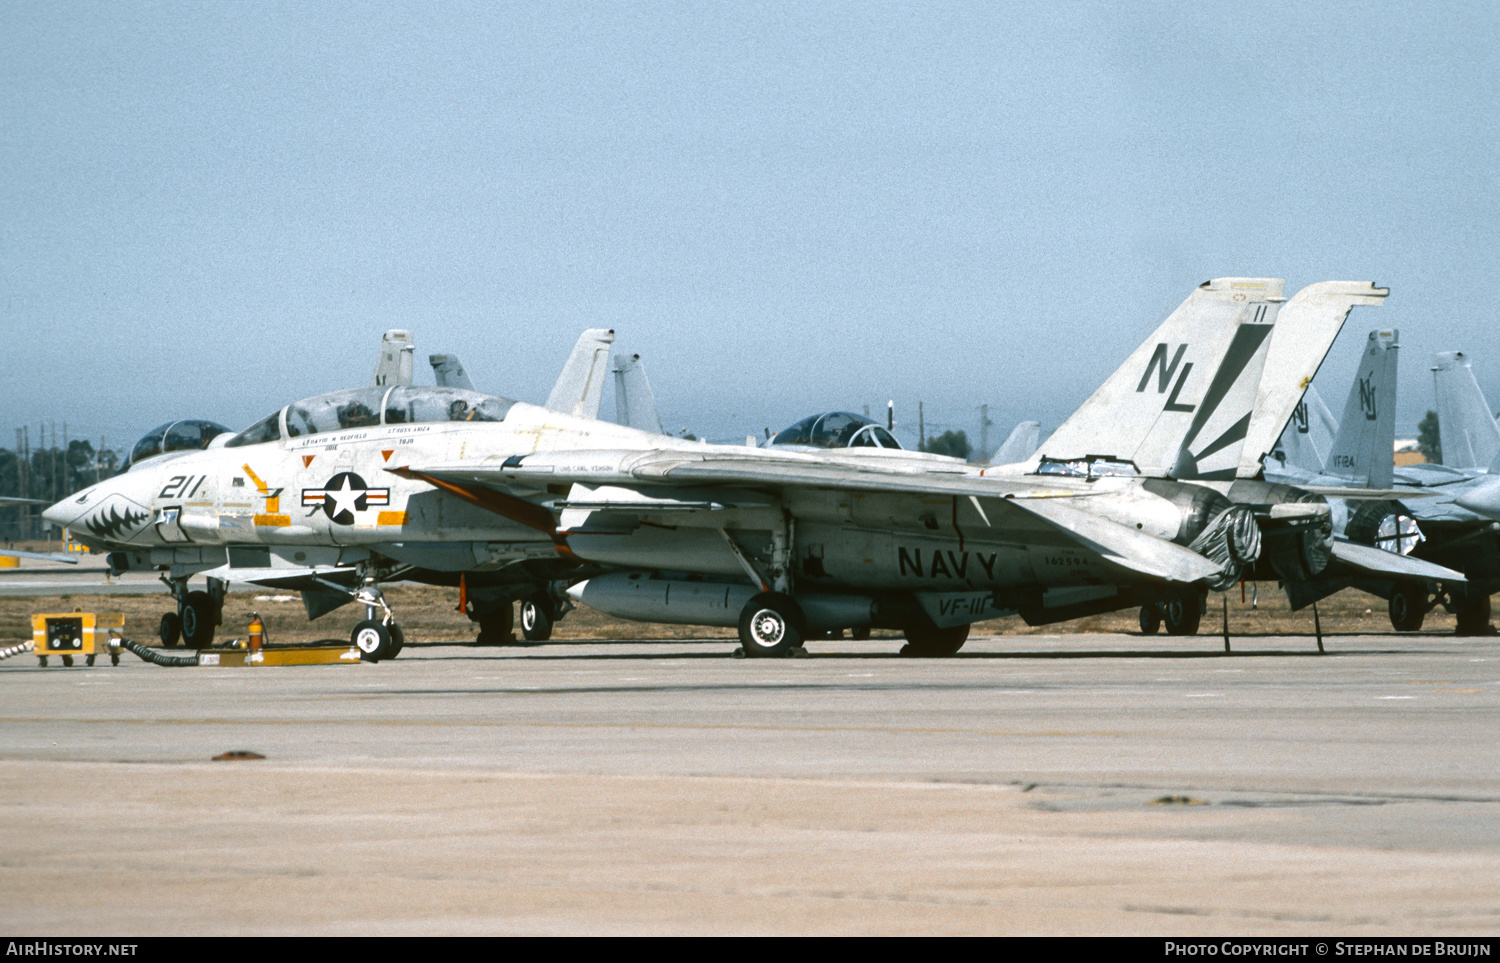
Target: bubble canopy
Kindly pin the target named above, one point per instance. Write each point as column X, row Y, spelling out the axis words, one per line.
column 187, row 435
column 836, row 429
column 369, row 407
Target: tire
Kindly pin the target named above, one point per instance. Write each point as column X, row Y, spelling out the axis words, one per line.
column 170, row 629
column 495, row 626
column 372, row 639
column 398, row 639
column 68, row 661
column 931, row 642
column 199, row 618
column 1408, row 606
column 860, row 633
column 536, row 621
column 771, row 625
column 88, row 660
column 1473, row 615
column 1182, row 614
column 1150, row 618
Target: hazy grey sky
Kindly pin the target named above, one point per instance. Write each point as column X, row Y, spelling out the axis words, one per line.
column 210, row 209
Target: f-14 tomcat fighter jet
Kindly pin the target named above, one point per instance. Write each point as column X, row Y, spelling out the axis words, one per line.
column 1150, row 492
column 382, row 483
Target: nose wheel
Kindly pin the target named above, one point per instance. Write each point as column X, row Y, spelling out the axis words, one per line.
column 377, row 640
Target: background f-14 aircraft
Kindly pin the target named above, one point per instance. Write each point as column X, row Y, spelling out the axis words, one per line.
column 1446, row 515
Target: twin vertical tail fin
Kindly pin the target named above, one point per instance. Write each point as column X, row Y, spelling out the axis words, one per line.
column 1469, row 435
column 635, row 403
column 449, row 371
column 580, row 387
column 1363, row 448
column 393, row 367
column 1180, row 404
column 1020, row 445
column 1305, row 330
column 1308, row 436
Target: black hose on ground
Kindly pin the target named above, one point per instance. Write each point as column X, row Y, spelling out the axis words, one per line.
column 159, row 658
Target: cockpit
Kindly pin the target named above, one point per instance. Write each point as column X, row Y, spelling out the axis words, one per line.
column 369, row 407
column 836, row 429
column 191, row 435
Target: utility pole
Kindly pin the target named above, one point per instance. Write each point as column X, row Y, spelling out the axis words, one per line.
column 984, row 431
column 20, row 484
column 890, row 416
column 921, row 429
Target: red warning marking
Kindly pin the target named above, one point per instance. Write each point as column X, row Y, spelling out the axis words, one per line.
column 307, row 460
column 386, row 453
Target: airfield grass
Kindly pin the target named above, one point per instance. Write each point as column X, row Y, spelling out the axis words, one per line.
column 429, row 614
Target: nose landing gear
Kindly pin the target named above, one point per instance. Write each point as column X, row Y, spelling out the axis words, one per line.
column 198, row 614
column 376, row 638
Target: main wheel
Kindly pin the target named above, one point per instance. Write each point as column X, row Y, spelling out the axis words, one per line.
column 931, row 642
column 170, row 629
column 495, row 626
column 1408, row 606
column 373, row 640
column 859, row 633
column 199, row 617
column 1183, row 614
column 1150, row 618
column 536, row 621
column 398, row 639
column 771, row 624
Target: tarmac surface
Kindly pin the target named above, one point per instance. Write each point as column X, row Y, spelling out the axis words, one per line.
column 1043, row 784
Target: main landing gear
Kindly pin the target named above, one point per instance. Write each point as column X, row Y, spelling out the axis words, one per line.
column 771, row 626
column 1181, row 615
column 198, row 614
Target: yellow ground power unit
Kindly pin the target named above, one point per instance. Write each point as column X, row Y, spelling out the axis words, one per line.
column 71, row 634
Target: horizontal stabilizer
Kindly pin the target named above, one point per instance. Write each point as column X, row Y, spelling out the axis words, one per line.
column 1379, row 562
column 1125, row 547
column 1363, row 494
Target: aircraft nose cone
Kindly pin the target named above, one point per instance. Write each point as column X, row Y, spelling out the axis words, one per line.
column 1482, row 498
column 67, row 511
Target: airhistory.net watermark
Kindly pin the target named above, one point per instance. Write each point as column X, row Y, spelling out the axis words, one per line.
column 67, row 948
